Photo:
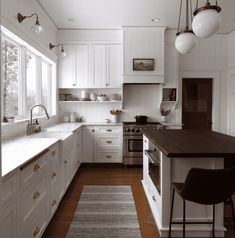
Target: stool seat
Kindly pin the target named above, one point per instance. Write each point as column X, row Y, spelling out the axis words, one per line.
column 204, row 186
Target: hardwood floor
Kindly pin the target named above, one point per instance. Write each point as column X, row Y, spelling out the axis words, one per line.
column 105, row 175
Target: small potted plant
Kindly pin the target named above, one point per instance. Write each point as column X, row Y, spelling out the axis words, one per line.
column 164, row 114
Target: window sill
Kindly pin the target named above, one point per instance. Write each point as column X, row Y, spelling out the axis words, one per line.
column 21, row 121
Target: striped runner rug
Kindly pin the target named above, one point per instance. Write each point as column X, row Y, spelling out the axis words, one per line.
column 105, row 212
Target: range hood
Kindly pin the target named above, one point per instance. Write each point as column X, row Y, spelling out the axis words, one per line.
column 144, row 45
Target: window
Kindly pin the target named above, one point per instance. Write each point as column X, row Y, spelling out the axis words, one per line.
column 28, row 78
column 10, row 78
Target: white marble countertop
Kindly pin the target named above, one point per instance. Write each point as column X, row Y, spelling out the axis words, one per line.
column 19, row 151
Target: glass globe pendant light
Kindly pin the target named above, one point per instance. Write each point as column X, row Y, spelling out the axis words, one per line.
column 207, row 20
column 186, row 39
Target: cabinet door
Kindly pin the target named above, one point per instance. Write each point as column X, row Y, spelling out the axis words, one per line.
column 114, row 63
column 88, row 145
column 67, row 78
column 82, row 66
column 99, row 66
column 8, row 220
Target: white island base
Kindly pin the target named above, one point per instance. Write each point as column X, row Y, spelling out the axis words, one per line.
column 175, row 170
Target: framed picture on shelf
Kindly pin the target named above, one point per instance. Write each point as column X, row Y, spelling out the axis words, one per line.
column 169, row 94
column 143, row 64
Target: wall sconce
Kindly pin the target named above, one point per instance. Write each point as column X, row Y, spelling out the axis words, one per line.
column 63, row 53
column 37, row 28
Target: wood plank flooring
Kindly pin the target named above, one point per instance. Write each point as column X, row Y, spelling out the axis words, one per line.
column 105, row 175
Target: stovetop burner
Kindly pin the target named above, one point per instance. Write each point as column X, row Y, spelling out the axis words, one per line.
column 128, row 123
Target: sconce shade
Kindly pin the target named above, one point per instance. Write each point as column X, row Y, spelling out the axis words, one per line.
column 185, row 42
column 206, row 23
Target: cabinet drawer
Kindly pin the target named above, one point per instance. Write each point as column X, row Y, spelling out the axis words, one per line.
column 109, row 130
column 10, row 187
column 32, row 196
column 54, row 153
column 108, row 141
column 108, row 156
column 35, row 227
column 34, row 169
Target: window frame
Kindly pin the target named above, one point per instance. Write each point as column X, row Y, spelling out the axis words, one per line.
column 24, row 48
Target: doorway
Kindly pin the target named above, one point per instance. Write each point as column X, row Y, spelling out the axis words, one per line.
column 197, row 103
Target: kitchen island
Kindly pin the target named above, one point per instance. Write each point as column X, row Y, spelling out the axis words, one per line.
column 179, row 151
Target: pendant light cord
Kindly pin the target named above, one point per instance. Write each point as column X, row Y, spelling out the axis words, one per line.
column 196, row 5
column 178, row 28
column 187, row 16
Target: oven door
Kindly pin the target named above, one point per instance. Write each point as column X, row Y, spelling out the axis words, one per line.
column 133, row 146
column 154, row 169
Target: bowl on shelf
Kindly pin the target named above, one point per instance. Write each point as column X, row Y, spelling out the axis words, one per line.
column 102, row 98
column 115, row 97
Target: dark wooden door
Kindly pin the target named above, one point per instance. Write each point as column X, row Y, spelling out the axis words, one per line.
column 197, row 103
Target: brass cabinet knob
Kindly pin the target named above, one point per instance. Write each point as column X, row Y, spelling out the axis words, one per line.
column 154, row 199
column 93, row 130
column 36, row 167
column 53, row 153
column 53, row 175
column 65, row 161
column 36, row 195
column 36, row 231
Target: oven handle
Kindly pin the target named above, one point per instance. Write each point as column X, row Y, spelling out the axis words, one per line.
column 155, row 161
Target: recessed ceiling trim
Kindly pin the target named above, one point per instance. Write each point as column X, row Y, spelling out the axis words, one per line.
column 47, row 13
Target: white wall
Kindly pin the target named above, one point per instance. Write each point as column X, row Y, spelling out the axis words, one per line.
column 209, row 59
column 9, row 11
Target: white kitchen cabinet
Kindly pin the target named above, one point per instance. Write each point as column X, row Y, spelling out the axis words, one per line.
column 9, row 219
column 115, row 69
column 91, row 66
column 99, row 66
column 88, row 144
column 108, row 144
column 77, row 148
column 66, row 68
column 82, row 76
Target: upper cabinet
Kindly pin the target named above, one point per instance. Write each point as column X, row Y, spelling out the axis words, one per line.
column 146, row 44
column 91, row 66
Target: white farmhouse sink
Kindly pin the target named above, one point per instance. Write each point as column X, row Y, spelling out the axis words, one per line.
column 52, row 134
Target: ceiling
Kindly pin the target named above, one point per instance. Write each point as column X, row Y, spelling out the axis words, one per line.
column 113, row 14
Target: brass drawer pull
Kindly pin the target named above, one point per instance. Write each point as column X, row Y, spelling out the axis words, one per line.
column 36, row 167
column 154, row 199
column 36, row 195
column 109, row 142
column 53, row 153
column 108, row 156
column 53, row 203
column 53, row 175
column 36, row 231
column 109, row 130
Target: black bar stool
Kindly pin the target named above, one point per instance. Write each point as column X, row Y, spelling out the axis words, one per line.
column 204, row 186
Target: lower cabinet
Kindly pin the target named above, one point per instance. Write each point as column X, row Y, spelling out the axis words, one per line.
column 9, row 219
column 32, row 195
column 102, row 144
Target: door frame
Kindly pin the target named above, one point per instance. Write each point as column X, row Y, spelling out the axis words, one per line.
column 216, row 80
column 231, row 73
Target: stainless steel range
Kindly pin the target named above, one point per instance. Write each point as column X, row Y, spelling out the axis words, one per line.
column 133, row 141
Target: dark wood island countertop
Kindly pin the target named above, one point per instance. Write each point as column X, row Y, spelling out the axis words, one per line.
column 192, row 143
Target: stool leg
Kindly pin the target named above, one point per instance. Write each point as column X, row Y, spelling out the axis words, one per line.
column 213, row 229
column 184, row 219
column 233, row 215
column 172, row 205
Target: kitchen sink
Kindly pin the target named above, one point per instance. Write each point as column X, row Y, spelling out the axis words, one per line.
column 52, row 134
